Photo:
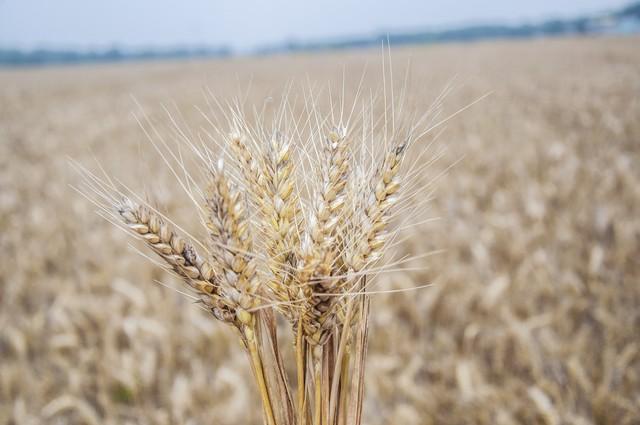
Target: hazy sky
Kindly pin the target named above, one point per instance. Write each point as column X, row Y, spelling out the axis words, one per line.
column 245, row 24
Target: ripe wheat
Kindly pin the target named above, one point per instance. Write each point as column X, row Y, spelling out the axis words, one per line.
column 302, row 243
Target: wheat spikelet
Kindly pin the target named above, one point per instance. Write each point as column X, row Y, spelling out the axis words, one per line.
column 248, row 165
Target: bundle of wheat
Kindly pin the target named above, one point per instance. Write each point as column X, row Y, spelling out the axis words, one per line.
column 303, row 245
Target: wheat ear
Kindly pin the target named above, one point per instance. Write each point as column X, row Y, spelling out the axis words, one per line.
column 371, row 232
column 279, row 209
column 319, row 248
column 179, row 253
column 231, row 245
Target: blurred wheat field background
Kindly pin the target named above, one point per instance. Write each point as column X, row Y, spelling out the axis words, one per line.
column 534, row 312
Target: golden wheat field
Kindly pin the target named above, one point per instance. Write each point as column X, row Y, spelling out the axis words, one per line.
column 533, row 315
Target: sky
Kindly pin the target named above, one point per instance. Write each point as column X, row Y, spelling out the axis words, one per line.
column 243, row 25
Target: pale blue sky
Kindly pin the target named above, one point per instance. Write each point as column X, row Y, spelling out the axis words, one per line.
column 246, row 24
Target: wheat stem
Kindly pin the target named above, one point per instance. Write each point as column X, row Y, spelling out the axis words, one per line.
column 344, row 385
column 300, row 367
column 317, row 415
column 344, row 338
column 252, row 345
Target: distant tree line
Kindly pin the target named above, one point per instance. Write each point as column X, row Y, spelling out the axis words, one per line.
column 47, row 56
column 624, row 20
